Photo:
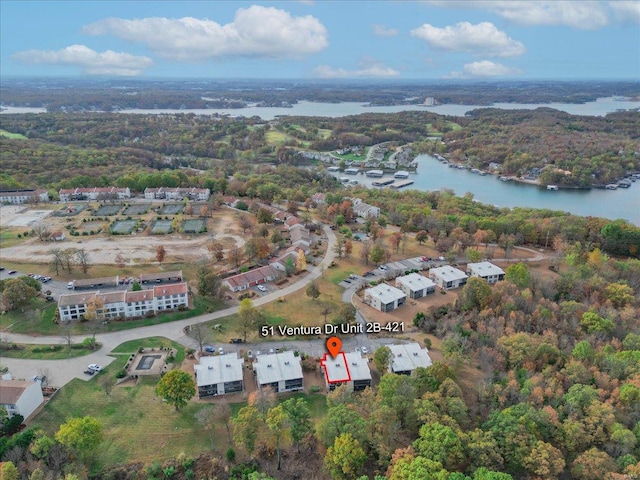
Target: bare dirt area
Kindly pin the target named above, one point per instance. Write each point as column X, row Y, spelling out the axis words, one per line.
column 134, row 249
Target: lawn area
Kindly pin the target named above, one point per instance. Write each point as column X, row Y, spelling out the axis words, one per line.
column 14, row 136
column 276, row 137
column 127, row 348
column 9, row 238
column 138, row 425
column 43, row 352
column 37, row 318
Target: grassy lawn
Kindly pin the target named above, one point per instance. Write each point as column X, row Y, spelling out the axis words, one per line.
column 43, row 352
column 9, row 238
column 37, row 318
column 138, row 425
column 15, row 136
column 127, row 348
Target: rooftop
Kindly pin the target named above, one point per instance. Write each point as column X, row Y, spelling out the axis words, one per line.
column 12, row 390
column 415, row 281
column 484, row 269
column 277, row 367
column 175, row 289
column 385, row 293
column 448, row 273
column 87, row 282
column 346, row 367
column 408, row 357
column 145, row 277
column 219, row 369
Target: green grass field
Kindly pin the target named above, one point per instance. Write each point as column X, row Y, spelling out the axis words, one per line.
column 14, row 136
column 43, row 352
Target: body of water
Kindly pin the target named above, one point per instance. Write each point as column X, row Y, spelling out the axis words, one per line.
column 434, row 175
column 600, row 107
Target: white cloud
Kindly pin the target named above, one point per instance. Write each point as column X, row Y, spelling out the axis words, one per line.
column 383, row 31
column 481, row 39
column 255, row 31
column 369, row 69
column 486, row 68
column 585, row 15
column 94, row 63
column 626, row 11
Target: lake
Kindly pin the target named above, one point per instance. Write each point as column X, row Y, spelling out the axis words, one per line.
column 434, row 175
column 599, row 107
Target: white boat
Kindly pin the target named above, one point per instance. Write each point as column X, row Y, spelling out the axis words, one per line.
column 552, row 187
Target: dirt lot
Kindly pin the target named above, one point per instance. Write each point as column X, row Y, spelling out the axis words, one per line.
column 103, row 249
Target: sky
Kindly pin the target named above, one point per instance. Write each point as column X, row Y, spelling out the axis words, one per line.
column 322, row 39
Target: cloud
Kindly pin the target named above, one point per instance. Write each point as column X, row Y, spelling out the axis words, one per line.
column 481, row 39
column 383, row 31
column 94, row 63
column 485, row 68
column 255, row 32
column 626, row 11
column 585, row 15
column 369, row 69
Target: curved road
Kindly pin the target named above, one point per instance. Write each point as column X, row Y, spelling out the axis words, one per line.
column 63, row 371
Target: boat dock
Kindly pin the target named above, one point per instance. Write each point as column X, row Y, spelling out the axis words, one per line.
column 400, row 184
column 383, row 181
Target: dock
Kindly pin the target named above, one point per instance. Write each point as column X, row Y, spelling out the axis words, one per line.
column 383, row 181
column 402, row 183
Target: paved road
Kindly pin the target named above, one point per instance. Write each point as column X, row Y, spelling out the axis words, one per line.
column 63, row 371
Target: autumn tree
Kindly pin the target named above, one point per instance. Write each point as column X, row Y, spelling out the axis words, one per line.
column 474, row 295
column 312, row 291
column 422, row 236
column 593, row 464
column 217, row 250
column 339, row 248
column 348, row 248
column 82, row 258
column 16, row 293
column 161, row 254
column 245, row 222
column 299, row 418
column 345, row 458
column 81, row 435
column 377, row 254
column 277, row 422
column 395, row 240
column 176, row 388
column 246, row 425
column 381, row 359
column 365, row 251
column 248, row 317
column 473, row 254
column 519, row 275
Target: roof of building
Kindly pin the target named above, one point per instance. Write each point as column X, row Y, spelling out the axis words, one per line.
column 219, row 369
column 87, row 282
column 139, row 296
column 145, row 277
column 484, row 269
column 12, row 390
column 175, row 289
column 415, row 281
column 347, row 366
column 408, row 357
column 448, row 273
column 76, row 299
column 277, row 367
column 111, row 297
column 255, row 275
column 22, row 191
column 385, row 293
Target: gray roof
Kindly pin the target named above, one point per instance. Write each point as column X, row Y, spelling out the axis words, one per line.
column 484, row 269
column 277, row 367
column 219, row 369
column 448, row 273
column 385, row 293
column 347, row 366
column 408, row 357
column 415, row 281
column 76, row 299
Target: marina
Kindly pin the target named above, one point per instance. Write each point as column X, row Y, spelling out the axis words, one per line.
column 401, row 184
column 383, row 182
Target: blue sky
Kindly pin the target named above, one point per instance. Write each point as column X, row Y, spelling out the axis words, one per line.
column 311, row 39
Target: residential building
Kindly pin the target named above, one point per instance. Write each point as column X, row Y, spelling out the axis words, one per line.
column 177, row 193
column 20, row 397
column 173, row 276
column 448, row 277
column 415, row 285
column 280, row 371
column 124, row 304
column 384, row 297
column 58, row 236
column 254, row 277
column 219, row 374
column 485, row 270
column 406, row 358
column 349, row 369
column 94, row 193
column 20, row 196
column 364, row 210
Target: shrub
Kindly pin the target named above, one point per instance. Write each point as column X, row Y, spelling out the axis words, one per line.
column 230, row 455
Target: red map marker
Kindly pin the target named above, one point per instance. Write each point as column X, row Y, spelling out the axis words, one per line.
column 334, row 344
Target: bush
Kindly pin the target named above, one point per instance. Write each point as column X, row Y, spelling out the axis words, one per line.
column 121, row 374
column 154, row 469
column 314, row 389
column 12, row 425
column 230, row 455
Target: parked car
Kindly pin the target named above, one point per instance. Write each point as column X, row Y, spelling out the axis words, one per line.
column 89, row 372
column 262, row 288
column 249, row 354
column 364, row 350
column 382, row 267
column 236, row 340
column 95, row 367
column 12, row 272
column 49, row 298
column 1, row 269
column 70, row 285
column 45, row 279
column 209, row 349
column 220, row 351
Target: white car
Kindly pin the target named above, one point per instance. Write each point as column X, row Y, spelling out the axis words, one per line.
column 262, row 288
column 382, row 267
column 95, row 367
column 364, row 350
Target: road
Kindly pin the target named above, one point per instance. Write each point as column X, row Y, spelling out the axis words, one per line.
column 63, row 371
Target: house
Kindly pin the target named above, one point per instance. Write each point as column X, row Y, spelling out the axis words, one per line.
column 20, row 196
column 415, row 285
column 348, row 369
column 177, row 193
column 280, row 371
column 485, row 270
column 364, row 210
column 448, row 277
column 94, row 193
column 384, row 297
column 318, row 198
column 219, row 374
column 20, row 397
column 406, row 358
column 58, row 236
column 124, row 304
column 254, row 277
column 281, row 262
